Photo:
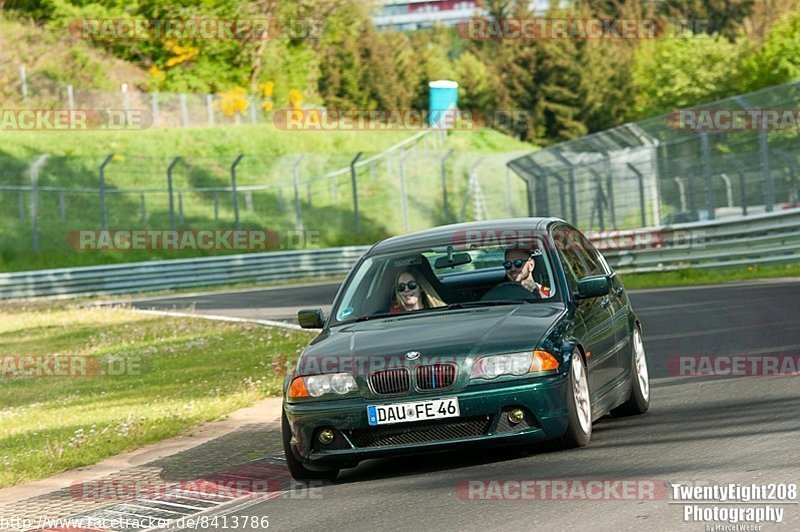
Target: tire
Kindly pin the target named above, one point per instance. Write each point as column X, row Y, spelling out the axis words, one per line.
column 296, row 468
column 579, row 405
column 639, row 401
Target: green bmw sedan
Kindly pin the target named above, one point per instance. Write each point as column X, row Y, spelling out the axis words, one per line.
column 486, row 333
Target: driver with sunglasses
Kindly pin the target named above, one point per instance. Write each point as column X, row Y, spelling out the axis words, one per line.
column 519, row 265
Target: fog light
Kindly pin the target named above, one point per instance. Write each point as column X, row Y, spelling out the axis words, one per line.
column 516, row 415
column 325, row 436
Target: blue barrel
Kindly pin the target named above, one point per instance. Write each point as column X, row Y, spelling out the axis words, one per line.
column 443, row 99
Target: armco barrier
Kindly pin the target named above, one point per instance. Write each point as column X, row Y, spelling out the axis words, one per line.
column 181, row 273
column 759, row 239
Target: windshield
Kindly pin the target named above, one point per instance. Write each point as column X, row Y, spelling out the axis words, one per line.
column 447, row 276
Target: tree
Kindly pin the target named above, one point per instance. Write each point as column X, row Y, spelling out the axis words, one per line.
column 681, row 72
column 778, row 59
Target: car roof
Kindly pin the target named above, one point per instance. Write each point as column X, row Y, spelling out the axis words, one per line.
column 437, row 235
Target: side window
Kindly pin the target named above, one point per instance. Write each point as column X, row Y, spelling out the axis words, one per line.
column 567, row 260
column 594, row 261
column 578, row 255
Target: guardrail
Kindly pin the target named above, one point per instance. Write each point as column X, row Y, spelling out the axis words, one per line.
column 180, row 273
column 770, row 238
column 759, row 239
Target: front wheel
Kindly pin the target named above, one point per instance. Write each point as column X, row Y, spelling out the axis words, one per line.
column 639, row 401
column 296, row 467
column 579, row 405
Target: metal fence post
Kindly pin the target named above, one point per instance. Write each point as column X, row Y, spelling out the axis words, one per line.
column 599, row 199
column 216, row 206
column 170, row 169
column 445, row 204
column 62, row 206
column 125, row 101
column 210, row 109
column 184, row 110
column 180, row 208
column 541, row 191
column 640, row 179
column 611, row 209
column 154, row 107
column 253, row 115
column 681, row 191
column 235, row 194
column 403, row 196
column 763, row 149
column 509, row 202
column 23, row 77
column 308, row 194
column 791, row 173
column 102, row 183
column 706, row 151
column 70, row 98
column 573, row 201
column 742, row 189
column 143, row 206
column 281, row 200
column 354, row 181
column 526, row 177
column 298, row 217
column 35, row 167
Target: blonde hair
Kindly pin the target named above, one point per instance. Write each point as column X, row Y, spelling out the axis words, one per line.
column 429, row 297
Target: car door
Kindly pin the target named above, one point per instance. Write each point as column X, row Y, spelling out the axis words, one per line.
column 594, row 314
column 618, row 307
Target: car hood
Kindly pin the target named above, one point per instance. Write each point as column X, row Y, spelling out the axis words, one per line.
column 447, row 335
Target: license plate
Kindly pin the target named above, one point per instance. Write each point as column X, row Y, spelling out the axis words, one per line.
column 417, row 411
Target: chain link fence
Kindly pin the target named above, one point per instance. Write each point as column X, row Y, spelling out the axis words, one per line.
column 20, row 89
column 324, row 199
column 734, row 157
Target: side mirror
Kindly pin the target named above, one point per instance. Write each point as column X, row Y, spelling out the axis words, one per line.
column 594, row 286
column 311, row 318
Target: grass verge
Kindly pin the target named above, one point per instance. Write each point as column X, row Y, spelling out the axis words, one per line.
column 161, row 377
column 691, row 277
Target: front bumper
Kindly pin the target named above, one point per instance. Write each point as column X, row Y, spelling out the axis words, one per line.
column 483, row 420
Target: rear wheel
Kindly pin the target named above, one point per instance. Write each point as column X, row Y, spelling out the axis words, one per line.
column 639, row 401
column 296, row 467
column 579, row 405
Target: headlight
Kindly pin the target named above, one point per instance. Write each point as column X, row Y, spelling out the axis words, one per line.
column 317, row 385
column 513, row 364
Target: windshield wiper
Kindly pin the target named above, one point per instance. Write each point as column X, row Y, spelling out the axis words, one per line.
column 374, row 317
column 487, row 303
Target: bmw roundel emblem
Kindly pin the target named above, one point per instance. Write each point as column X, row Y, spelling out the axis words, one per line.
column 412, row 355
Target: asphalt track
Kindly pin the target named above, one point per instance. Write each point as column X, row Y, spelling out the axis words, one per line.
column 705, row 430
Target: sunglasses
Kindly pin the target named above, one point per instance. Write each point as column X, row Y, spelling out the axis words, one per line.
column 517, row 264
column 401, row 287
